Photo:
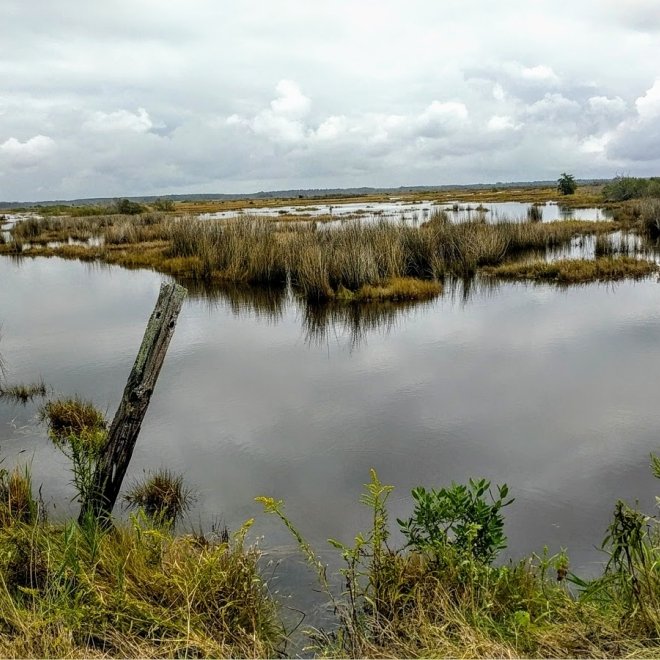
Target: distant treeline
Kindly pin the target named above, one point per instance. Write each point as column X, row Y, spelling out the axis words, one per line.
column 622, row 188
column 305, row 193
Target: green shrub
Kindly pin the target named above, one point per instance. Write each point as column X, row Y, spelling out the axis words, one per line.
column 566, row 184
column 459, row 517
column 126, row 207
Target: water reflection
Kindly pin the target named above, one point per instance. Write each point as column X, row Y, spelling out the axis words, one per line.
column 327, row 322
column 262, row 302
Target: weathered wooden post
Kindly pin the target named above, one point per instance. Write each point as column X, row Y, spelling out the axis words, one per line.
column 116, row 454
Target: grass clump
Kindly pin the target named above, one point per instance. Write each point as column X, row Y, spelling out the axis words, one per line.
column 134, row 591
column 72, row 417
column 575, row 271
column 241, row 251
column 79, row 431
column 649, row 217
column 23, row 392
column 16, row 501
column 162, row 495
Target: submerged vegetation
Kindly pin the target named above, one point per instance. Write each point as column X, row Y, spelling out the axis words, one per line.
column 23, row 392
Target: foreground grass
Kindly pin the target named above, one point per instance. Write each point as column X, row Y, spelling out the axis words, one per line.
column 135, row 591
column 441, row 597
column 576, row 271
column 139, row 590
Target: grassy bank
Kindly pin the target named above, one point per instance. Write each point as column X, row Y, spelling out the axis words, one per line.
column 321, row 262
column 576, row 271
column 137, row 591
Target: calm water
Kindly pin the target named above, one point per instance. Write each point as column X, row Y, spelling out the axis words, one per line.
column 419, row 211
column 552, row 391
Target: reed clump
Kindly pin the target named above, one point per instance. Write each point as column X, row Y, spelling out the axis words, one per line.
column 322, row 262
column 241, row 251
column 72, row 417
column 162, row 495
column 23, row 392
column 649, row 217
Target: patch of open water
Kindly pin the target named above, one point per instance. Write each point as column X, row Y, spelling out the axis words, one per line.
column 419, row 211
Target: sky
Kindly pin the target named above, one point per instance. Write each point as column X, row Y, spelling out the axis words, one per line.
column 146, row 97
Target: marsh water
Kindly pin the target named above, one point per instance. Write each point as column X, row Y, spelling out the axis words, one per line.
column 418, row 211
column 553, row 391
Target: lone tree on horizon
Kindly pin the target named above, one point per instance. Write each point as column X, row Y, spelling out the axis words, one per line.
column 566, row 184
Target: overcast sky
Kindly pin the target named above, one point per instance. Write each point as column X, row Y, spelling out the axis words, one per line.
column 140, row 97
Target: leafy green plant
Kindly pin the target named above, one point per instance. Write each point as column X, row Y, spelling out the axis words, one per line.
column 459, row 517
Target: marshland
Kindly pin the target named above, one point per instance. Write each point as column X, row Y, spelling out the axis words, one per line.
column 431, row 347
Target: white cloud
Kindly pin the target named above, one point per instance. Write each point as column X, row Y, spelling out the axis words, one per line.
column 648, row 106
column 294, row 95
column 28, row 153
column 539, row 73
column 637, row 137
column 603, row 105
column 291, row 102
column 501, row 123
column 119, row 120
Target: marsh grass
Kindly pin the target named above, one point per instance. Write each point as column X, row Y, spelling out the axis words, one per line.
column 16, row 500
column 162, row 495
column 398, row 288
column 535, row 213
column 444, row 601
column 576, row 271
column 134, row 591
column 649, row 217
column 246, row 250
column 72, row 416
column 23, row 392
column 322, row 263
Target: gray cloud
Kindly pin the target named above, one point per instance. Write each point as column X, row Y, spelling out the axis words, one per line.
column 196, row 96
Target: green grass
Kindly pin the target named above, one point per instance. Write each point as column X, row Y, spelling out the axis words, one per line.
column 442, row 600
column 72, row 416
column 162, row 495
